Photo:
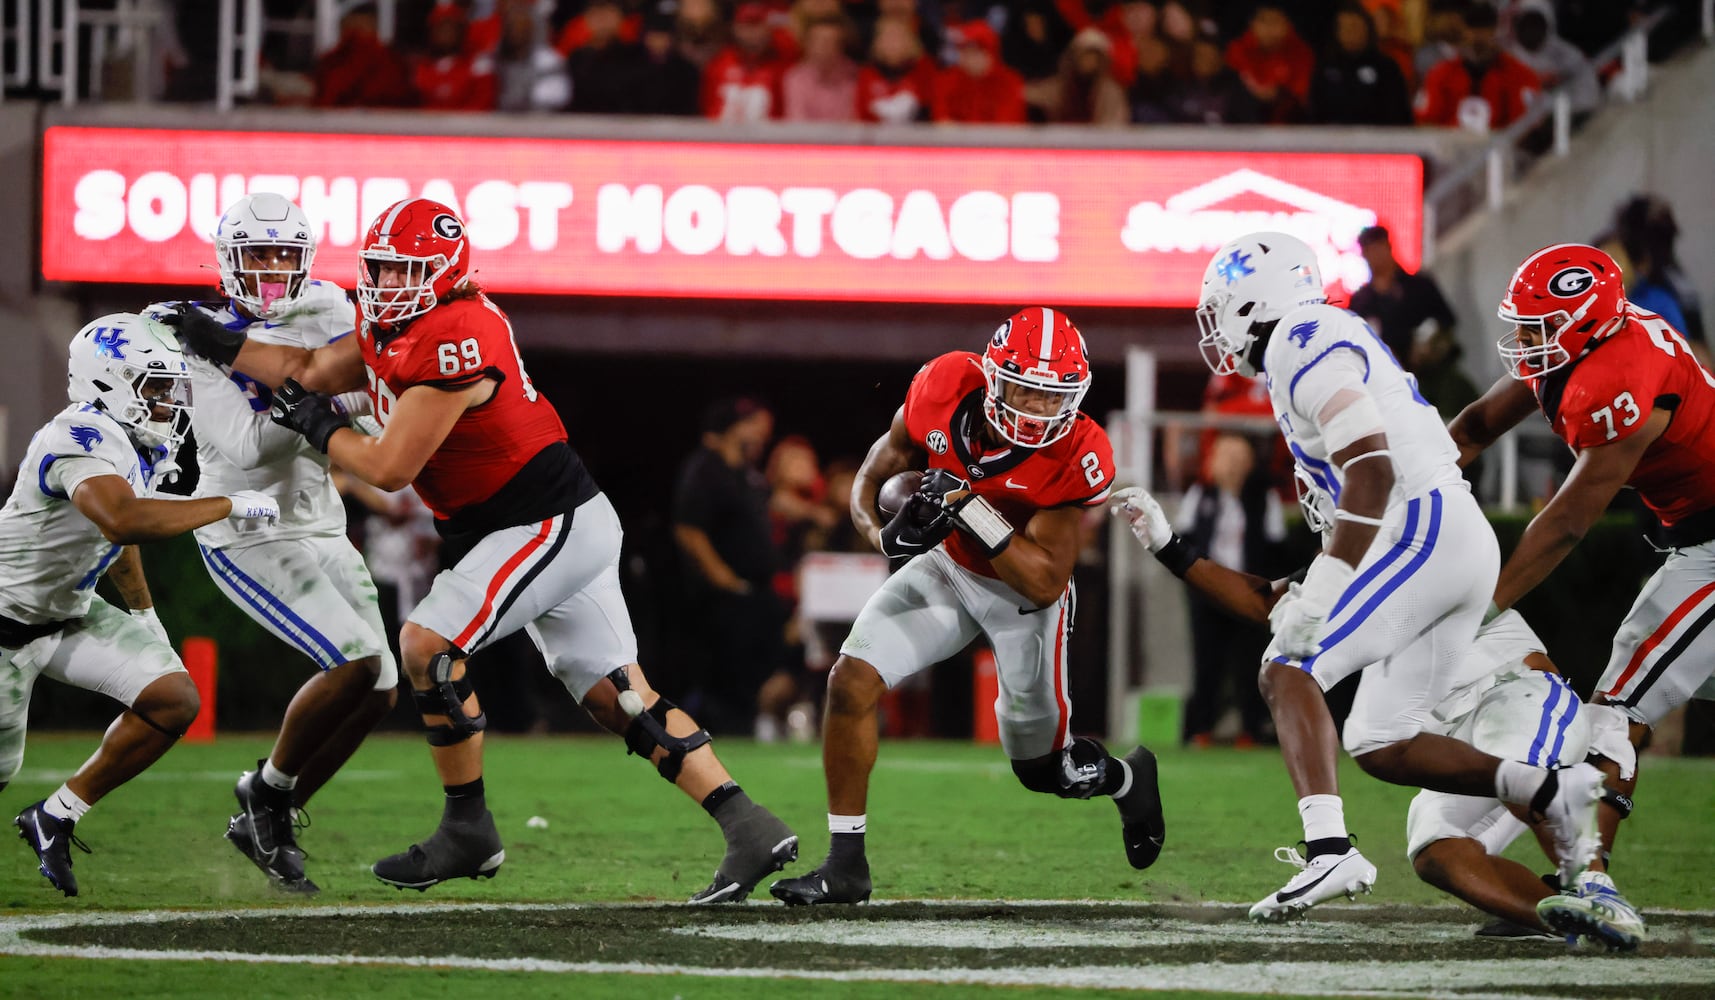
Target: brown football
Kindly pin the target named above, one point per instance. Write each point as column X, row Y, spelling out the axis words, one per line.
column 897, row 490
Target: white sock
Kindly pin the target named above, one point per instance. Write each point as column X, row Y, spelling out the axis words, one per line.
column 273, row 777
column 1517, row 782
column 64, row 804
column 847, row 824
column 1324, row 816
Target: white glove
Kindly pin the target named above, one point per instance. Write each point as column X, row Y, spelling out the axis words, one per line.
column 1298, row 616
column 248, row 505
column 1145, row 516
column 148, row 617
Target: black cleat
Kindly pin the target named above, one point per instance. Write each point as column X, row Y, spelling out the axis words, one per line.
column 454, row 850
column 759, row 845
column 263, row 832
column 824, row 885
column 1140, row 811
column 52, row 839
column 243, row 837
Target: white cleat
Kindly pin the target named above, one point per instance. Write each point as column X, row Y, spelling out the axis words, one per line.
column 1597, row 910
column 1570, row 817
column 1322, row 878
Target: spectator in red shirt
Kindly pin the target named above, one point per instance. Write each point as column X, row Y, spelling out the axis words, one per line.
column 361, row 71
column 1129, row 23
column 898, row 83
column 1482, row 88
column 978, row 88
column 823, row 85
column 579, row 33
column 449, row 78
column 742, row 84
column 1274, row 64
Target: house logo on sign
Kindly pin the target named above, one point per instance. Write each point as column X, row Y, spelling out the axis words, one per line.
column 1192, row 221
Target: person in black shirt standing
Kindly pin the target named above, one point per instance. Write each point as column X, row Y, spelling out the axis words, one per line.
column 720, row 522
column 1397, row 304
column 1355, row 82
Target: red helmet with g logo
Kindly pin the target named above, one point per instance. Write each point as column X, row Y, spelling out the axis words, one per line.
column 1037, row 375
column 425, row 241
column 1567, row 297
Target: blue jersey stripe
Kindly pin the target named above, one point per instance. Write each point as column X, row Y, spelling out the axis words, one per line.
column 1386, row 590
column 1534, row 755
column 273, row 610
column 1570, row 713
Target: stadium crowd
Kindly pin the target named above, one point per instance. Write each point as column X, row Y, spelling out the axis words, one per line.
column 1358, row 62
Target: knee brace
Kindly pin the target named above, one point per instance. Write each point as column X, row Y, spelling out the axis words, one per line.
column 156, row 726
column 1621, row 802
column 447, row 698
column 1077, row 772
column 648, row 732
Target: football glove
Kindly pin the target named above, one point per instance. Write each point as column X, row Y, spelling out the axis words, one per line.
column 248, row 505
column 311, row 414
column 1143, row 515
column 202, row 334
column 921, row 524
column 1299, row 615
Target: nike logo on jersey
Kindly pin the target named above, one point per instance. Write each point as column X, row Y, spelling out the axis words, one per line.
column 392, row 353
column 1015, row 486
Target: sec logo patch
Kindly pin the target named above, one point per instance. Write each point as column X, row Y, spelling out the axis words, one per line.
column 937, row 442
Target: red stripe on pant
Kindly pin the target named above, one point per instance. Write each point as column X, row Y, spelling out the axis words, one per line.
column 506, row 570
column 1659, row 636
column 1060, row 678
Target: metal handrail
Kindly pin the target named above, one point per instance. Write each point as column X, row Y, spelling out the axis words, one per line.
column 1630, row 49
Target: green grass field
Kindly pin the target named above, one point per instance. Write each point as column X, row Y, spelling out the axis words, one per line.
column 947, row 822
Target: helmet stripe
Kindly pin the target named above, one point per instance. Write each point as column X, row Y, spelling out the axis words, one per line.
column 1047, row 334
column 387, row 223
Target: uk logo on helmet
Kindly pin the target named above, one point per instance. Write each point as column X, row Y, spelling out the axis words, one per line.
column 447, row 227
column 1570, row 282
column 1236, row 266
column 108, row 341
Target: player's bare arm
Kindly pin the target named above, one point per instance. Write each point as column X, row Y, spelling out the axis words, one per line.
column 1243, row 595
column 1596, row 477
column 1369, row 479
column 1038, row 561
column 419, row 422
column 126, row 574
column 891, row 454
column 338, row 367
column 1499, row 410
column 125, row 518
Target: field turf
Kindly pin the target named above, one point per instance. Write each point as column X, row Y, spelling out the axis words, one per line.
column 980, row 887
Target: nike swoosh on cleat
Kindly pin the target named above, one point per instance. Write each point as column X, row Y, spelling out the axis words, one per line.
column 1286, row 897
column 49, row 842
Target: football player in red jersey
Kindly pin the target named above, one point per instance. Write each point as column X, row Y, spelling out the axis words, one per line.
column 1012, row 467
column 535, row 541
column 1620, row 386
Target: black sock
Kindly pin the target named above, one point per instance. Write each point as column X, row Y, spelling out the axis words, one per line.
column 719, row 797
column 846, row 851
column 465, row 802
column 1114, row 776
column 1329, row 845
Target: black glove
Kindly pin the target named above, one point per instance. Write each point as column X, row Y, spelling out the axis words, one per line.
column 202, row 334
column 309, row 413
column 919, row 526
column 969, row 512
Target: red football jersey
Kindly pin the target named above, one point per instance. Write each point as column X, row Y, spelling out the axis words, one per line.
column 455, row 345
column 736, row 89
column 944, row 416
column 1611, row 392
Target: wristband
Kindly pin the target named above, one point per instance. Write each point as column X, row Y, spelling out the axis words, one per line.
column 985, row 524
column 1177, row 555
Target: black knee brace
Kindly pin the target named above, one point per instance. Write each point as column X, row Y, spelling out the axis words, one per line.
column 447, row 698
column 1621, row 802
column 1078, row 772
column 156, row 726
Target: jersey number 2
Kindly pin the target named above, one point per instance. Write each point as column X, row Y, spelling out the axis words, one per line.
column 1092, row 468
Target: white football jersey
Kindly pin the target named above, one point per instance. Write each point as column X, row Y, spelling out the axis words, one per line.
column 1424, row 455
column 51, row 556
column 239, row 447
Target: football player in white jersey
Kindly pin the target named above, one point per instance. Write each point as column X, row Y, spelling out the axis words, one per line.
column 1401, row 586
column 299, row 578
column 1504, row 698
column 83, row 500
